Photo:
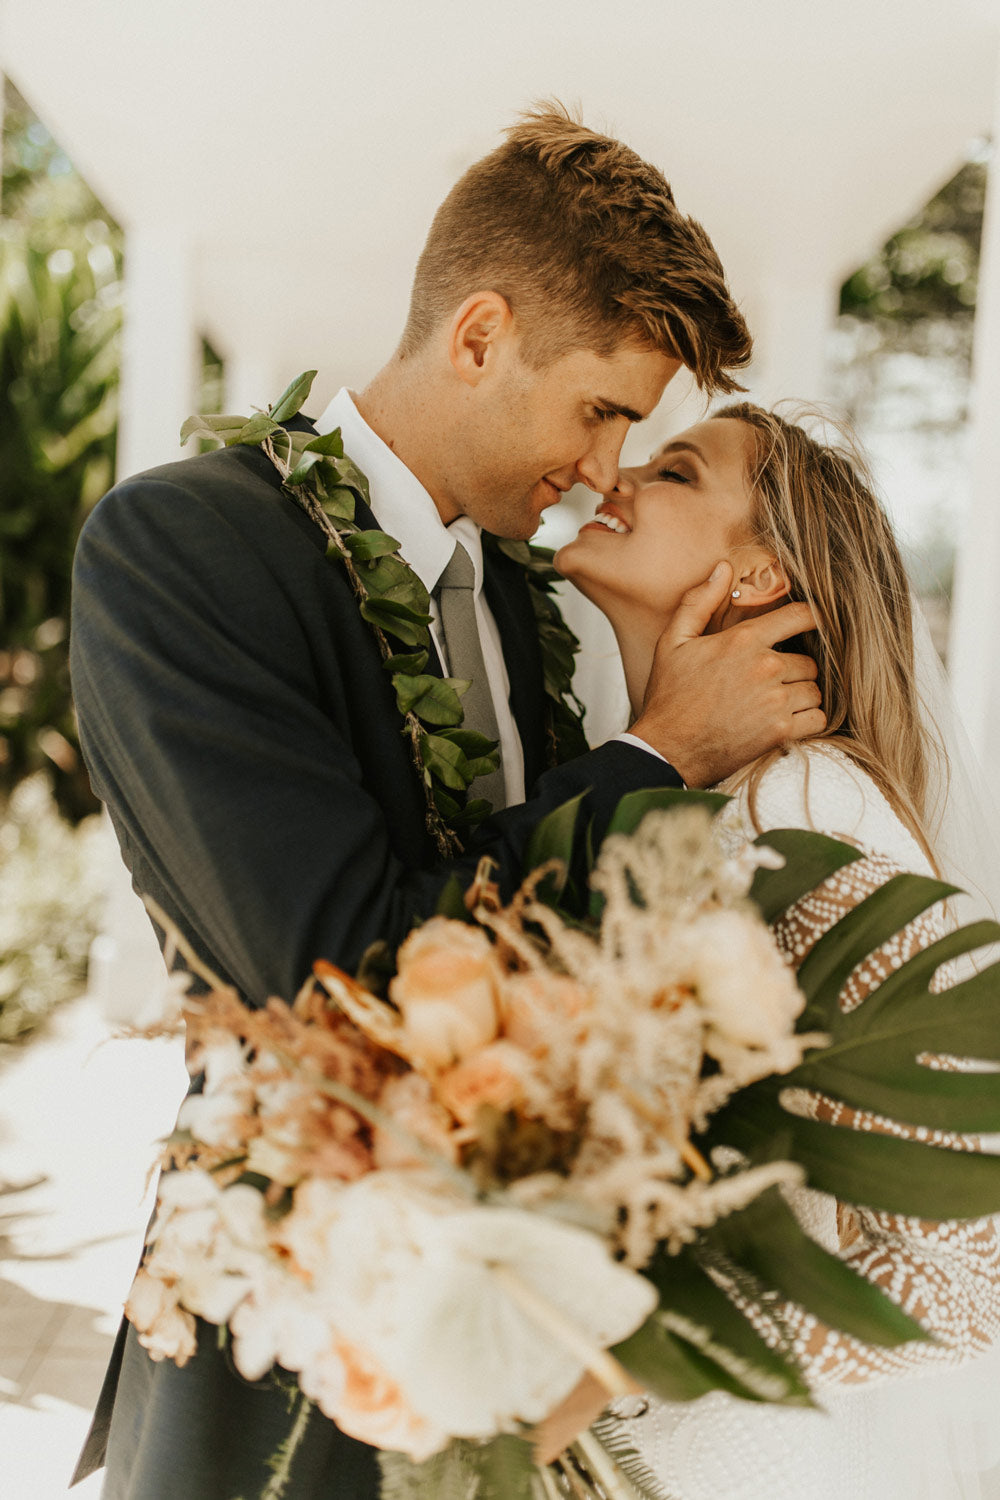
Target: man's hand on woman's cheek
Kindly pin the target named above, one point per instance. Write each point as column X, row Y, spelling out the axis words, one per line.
column 715, row 702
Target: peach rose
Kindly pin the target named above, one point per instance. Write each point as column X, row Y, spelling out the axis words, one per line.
column 357, row 1394
column 540, row 1009
column 446, row 990
column 408, row 1100
column 493, row 1075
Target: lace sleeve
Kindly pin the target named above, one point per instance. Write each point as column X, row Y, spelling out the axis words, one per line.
column 945, row 1274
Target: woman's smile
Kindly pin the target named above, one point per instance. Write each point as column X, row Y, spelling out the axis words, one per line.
column 608, row 518
column 680, row 513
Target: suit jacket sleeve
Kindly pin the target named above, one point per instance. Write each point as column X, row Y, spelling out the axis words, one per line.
column 212, row 669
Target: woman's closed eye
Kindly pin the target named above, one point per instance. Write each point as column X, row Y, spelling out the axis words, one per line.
column 674, row 476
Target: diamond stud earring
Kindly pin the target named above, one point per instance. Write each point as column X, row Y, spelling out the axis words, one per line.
column 735, row 594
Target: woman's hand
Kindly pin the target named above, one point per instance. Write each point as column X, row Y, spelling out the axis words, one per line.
column 715, row 702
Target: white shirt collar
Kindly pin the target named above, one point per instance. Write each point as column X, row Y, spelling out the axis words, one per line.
column 401, row 505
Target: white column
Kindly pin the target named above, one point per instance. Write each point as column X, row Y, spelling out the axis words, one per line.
column 159, row 347
column 251, row 381
column 974, row 660
column 790, row 319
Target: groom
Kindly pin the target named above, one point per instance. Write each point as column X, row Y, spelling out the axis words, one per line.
column 234, row 712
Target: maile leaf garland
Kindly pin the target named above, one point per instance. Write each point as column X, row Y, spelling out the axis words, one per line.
column 321, row 479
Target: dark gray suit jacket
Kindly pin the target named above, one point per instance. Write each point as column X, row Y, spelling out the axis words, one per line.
column 236, row 719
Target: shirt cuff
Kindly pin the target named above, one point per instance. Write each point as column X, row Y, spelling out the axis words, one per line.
column 633, row 739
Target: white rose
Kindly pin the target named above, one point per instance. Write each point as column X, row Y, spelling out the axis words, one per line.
column 216, row 1119
column 212, row 1291
column 304, row 1232
column 243, row 1216
column 164, row 1328
column 278, row 1322
column 748, row 992
column 417, row 1277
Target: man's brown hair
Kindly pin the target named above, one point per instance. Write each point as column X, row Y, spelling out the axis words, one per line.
column 584, row 241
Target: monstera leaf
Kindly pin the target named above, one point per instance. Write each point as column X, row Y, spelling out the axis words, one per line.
column 881, row 1054
column 880, row 1060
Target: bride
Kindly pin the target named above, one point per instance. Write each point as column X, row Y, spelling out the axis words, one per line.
column 797, row 518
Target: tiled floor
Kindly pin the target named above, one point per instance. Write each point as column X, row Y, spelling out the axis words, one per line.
column 80, row 1112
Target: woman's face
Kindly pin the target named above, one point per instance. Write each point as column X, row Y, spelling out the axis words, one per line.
column 666, row 524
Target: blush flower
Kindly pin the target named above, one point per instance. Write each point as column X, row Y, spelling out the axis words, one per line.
column 446, row 990
column 410, row 1102
column 540, row 1011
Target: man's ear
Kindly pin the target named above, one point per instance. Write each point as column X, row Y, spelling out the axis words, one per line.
column 758, row 579
column 482, row 323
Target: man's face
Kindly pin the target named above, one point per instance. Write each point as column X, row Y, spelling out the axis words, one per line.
column 528, row 435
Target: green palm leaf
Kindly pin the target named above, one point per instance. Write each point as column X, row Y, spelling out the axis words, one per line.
column 688, row 1291
column 896, row 1176
column 810, row 858
column 634, row 806
column 877, row 1060
column 860, row 932
column 767, row 1240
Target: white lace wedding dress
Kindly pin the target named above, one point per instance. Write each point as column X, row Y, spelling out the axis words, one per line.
column 920, row 1423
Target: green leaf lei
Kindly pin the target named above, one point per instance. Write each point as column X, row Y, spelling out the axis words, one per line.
column 326, row 484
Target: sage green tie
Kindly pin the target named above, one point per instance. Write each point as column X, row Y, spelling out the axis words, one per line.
column 457, row 620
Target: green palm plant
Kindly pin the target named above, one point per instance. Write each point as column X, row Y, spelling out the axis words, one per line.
column 59, row 330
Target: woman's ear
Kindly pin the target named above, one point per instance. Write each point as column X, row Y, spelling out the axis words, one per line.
column 478, row 327
column 759, row 580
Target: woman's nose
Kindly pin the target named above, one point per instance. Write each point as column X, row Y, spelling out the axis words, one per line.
column 624, row 486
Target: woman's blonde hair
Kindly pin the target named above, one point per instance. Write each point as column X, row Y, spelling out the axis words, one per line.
column 813, row 506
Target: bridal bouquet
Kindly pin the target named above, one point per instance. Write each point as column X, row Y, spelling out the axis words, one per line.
column 471, row 1205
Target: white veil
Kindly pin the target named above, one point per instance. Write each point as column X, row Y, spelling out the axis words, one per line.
column 963, row 824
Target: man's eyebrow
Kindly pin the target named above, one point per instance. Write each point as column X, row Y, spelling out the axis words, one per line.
column 628, row 412
column 681, row 446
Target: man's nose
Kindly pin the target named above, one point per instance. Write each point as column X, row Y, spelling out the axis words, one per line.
column 598, row 469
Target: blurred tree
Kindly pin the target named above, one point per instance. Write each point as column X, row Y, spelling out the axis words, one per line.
column 928, row 269
column 901, row 362
column 60, row 314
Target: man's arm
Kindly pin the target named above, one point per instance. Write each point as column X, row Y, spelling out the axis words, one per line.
column 219, row 717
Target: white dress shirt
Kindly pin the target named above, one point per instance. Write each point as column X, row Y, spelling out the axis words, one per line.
column 405, row 510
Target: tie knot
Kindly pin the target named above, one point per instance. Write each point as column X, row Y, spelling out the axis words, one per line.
column 459, row 573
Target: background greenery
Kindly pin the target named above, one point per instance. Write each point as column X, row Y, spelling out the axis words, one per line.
column 901, row 359
column 60, row 316
column 926, row 273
